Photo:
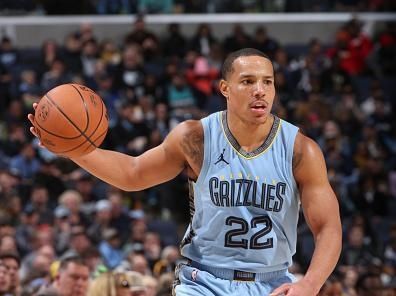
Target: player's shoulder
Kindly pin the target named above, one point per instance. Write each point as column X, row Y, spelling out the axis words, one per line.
column 188, row 128
column 305, row 150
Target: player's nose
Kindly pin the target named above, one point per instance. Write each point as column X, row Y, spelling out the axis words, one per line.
column 259, row 90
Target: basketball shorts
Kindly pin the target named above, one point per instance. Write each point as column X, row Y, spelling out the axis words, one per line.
column 194, row 279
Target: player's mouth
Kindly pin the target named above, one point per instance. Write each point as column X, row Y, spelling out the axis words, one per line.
column 259, row 107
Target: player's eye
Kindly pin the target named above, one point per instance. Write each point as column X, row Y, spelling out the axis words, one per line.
column 247, row 81
column 268, row 82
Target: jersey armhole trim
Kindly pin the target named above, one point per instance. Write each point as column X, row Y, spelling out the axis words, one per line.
column 206, row 153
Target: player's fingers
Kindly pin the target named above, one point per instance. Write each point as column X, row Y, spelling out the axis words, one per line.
column 35, row 105
column 281, row 291
column 33, row 131
column 31, row 118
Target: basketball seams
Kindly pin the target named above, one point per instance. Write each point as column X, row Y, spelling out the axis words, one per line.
column 85, row 107
column 67, row 117
column 54, row 134
column 89, row 137
column 69, row 120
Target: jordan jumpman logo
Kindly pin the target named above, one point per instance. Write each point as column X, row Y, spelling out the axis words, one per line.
column 221, row 158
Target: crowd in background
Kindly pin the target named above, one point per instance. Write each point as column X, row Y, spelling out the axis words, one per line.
column 62, row 229
column 189, row 6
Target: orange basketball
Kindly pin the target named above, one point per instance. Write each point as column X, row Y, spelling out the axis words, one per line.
column 71, row 120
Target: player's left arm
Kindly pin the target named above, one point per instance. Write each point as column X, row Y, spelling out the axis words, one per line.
column 321, row 212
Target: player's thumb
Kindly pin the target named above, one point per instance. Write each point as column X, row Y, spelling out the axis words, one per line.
column 280, row 291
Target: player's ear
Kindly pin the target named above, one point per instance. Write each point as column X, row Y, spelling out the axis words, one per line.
column 223, row 87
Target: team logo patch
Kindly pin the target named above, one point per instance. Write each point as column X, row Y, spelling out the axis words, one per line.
column 194, row 274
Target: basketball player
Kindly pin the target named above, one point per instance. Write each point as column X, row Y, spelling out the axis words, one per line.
column 249, row 172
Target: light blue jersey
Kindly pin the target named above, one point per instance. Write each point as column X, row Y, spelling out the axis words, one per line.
column 244, row 204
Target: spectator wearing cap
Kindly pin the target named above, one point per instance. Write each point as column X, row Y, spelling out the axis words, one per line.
column 110, row 248
column 101, row 221
column 12, row 261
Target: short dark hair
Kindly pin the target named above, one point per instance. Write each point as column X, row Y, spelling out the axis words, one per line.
column 65, row 261
column 11, row 254
column 244, row 52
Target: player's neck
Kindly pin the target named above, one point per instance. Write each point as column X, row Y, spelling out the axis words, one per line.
column 249, row 135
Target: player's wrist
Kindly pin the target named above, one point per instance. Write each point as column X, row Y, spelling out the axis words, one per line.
column 313, row 284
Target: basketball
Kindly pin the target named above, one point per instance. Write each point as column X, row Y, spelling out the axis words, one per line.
column 71, row 120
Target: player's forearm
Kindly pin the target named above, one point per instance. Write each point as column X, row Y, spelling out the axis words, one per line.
column 325, row 257
column 112, row 167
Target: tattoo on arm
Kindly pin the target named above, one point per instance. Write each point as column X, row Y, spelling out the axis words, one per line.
column 192, row 145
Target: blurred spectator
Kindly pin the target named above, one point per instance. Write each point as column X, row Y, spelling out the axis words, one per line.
column 50, row 51
column 139, row 32
column 89, row 57
column 28, row 88
column 201, row 78
column 140, row 264
column 202, row 40
column 130, row 74
column 352, row 48
column 72, row 278
column 39, row 200
column 151, row 285
column 11, row 260
column 117, row 284
column 152, row 248
column 5, row 279
column 355, row 251
column 72, row 201
column 174, row 44
column 165, row 284
column 71, row 53
column 263, row 42
column 237, row 40
column 79, row 242
column 110, row 248
column 26, row 162
column 56, row 75
column 8, row 54
column 119, row 215
column 385, row 58
column 169, row 257
column 109, row 52
column 369, row 284
column 101, row 221
column 180, row 94
column 85, row 185
column 131, row 131
column 26, row 229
